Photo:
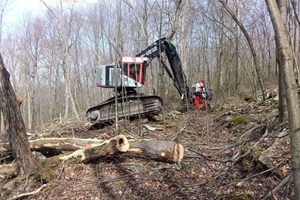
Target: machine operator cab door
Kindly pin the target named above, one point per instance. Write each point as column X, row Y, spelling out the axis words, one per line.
column 131, row 72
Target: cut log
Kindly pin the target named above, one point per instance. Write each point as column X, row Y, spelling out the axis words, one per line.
column 166, row 151
column 89, row 149
column 161, row 150
column 63, row 144
column 108, row 148
column 104, row 149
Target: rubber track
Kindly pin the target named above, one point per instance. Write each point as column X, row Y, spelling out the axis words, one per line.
column 128, row 107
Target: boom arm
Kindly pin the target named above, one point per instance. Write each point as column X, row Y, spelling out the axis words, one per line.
column 176, row 72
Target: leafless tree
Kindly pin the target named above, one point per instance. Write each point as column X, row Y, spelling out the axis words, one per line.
column 250, row 43
column 2, row 9
column 14, row 123
column 285, row 54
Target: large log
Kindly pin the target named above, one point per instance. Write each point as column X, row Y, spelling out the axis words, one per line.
column 104, row 149
column 63, row 144
column 108, row 148
column 161, row 150
column 92, row 149
column 166, row 151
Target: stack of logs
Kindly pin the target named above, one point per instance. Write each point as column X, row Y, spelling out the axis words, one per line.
column 87, row 150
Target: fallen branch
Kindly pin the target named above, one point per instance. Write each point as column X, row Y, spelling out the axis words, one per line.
column 265, row 171
column 28, row 193
column 278, row 187
column 223, row 115
column 237, row 157
column 257, row 129
column 207, row 158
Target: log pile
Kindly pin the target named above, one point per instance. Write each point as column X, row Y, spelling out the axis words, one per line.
column 87, row 150
column 161, row 150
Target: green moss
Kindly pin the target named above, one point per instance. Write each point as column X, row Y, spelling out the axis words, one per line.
column 239, row 119
column 249, row 162
column 44, row 174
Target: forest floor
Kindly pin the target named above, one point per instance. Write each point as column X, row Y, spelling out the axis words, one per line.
column 222, row 159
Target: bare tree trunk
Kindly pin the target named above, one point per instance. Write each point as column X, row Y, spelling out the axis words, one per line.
column 119, row 48
column 281, row 92
column 15, row 124
column 238, row 22
column 67, row 97
column 237, row 40
column 296, row 46
column 184, row 35
column 3, row 133
column 2, row 7
column 220, row 59
column 178, row 5
column 286, row 62
column 160, row 80
column 29, row 113
column 67, row 67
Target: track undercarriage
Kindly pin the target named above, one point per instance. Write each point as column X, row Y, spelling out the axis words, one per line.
column 128, row 107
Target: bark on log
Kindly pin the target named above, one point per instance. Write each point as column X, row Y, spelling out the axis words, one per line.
column 63, row 144
column 153, row 149
column 104, row 149
column 166, row 151
column 112, row 146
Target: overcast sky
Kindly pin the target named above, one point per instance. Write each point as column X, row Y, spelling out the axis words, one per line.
column 16, row 10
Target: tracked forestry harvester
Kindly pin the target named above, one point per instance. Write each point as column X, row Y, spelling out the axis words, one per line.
column 130, row 73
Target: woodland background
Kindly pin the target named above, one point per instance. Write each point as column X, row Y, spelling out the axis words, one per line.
column 239, row 150
column 52, row 57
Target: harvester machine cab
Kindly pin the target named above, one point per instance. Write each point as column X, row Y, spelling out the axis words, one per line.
column 129, row 73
